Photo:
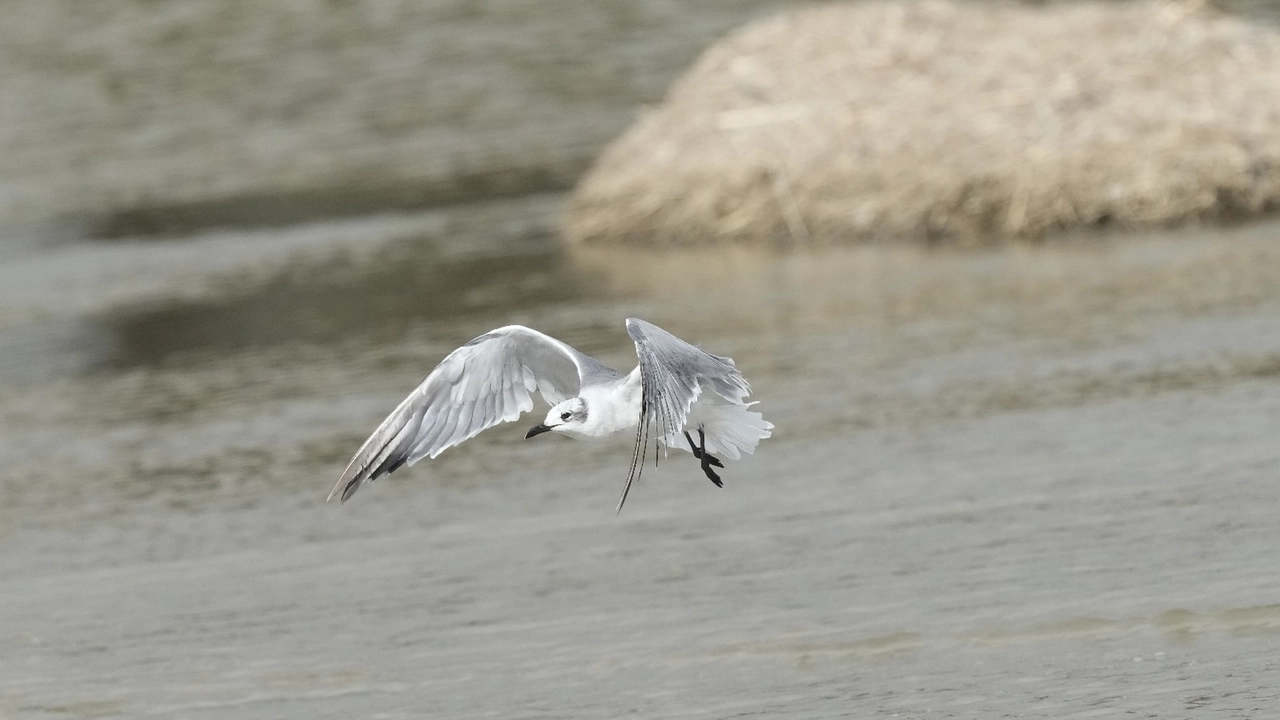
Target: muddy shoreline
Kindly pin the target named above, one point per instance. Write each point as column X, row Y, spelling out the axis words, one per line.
column 1035, row 482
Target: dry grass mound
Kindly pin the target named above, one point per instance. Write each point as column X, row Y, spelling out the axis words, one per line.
column 953, row 122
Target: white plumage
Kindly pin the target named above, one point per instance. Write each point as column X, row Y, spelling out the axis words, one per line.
column 678, row 395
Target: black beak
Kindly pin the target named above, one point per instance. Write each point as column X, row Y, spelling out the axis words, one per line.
column 536, row 430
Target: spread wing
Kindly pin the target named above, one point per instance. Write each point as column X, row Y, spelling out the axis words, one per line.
column 483, row 383
column 672, row 375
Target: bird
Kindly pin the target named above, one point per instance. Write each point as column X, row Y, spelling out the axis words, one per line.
column 676, row 391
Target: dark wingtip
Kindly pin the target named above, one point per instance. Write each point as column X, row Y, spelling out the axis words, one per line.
column 344, row 489
column 350, row 490
column 623, row 500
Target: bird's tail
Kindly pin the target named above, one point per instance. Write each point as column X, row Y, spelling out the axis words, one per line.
column 731, row 429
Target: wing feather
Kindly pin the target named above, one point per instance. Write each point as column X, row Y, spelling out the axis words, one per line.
column 481, row 384
column 672, row 375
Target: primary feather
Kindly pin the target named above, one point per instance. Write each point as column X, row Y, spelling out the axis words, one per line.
column 479, row 385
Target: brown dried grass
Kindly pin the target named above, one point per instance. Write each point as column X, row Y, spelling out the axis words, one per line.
column 949, row 121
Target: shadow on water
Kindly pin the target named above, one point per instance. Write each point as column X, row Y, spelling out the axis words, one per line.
column 331, row 303
column 285, row 208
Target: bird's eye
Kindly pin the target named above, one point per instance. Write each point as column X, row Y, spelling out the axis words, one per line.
column 565, row 415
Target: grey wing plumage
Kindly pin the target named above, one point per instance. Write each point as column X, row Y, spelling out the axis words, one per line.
column 672, row 375
column 483, row 383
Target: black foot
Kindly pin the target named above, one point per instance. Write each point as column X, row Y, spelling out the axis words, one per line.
column 708, row 460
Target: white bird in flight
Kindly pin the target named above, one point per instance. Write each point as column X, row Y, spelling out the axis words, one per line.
column 676, row 390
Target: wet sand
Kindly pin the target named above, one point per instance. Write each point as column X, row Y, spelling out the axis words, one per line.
column 1035, row 482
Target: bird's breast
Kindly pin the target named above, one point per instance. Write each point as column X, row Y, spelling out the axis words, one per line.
column 611, row 409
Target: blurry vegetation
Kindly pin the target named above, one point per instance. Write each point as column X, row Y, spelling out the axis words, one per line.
column 947, row 121
column 936, row 120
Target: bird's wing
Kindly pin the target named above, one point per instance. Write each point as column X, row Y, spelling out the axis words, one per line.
column 483, row 383
column 672, row 375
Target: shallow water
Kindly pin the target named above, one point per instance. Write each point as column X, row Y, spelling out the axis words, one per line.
column 1037, row 481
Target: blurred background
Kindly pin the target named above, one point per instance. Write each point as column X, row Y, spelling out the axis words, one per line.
column 1026, row 386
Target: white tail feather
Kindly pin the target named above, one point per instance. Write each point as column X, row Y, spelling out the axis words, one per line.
column 730, row 428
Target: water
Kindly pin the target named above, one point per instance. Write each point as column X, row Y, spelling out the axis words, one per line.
column 1036, row 481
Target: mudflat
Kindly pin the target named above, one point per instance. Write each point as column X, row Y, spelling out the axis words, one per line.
column 1035, row 481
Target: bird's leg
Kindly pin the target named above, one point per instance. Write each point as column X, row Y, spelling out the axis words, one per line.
column 698, row 452
column 708, row 460
column 693, row 447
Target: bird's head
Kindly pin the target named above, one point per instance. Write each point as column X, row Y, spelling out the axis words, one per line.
column 566, row 416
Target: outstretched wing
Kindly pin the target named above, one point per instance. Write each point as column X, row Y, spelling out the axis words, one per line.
column 483, row 383
column 672, row 375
